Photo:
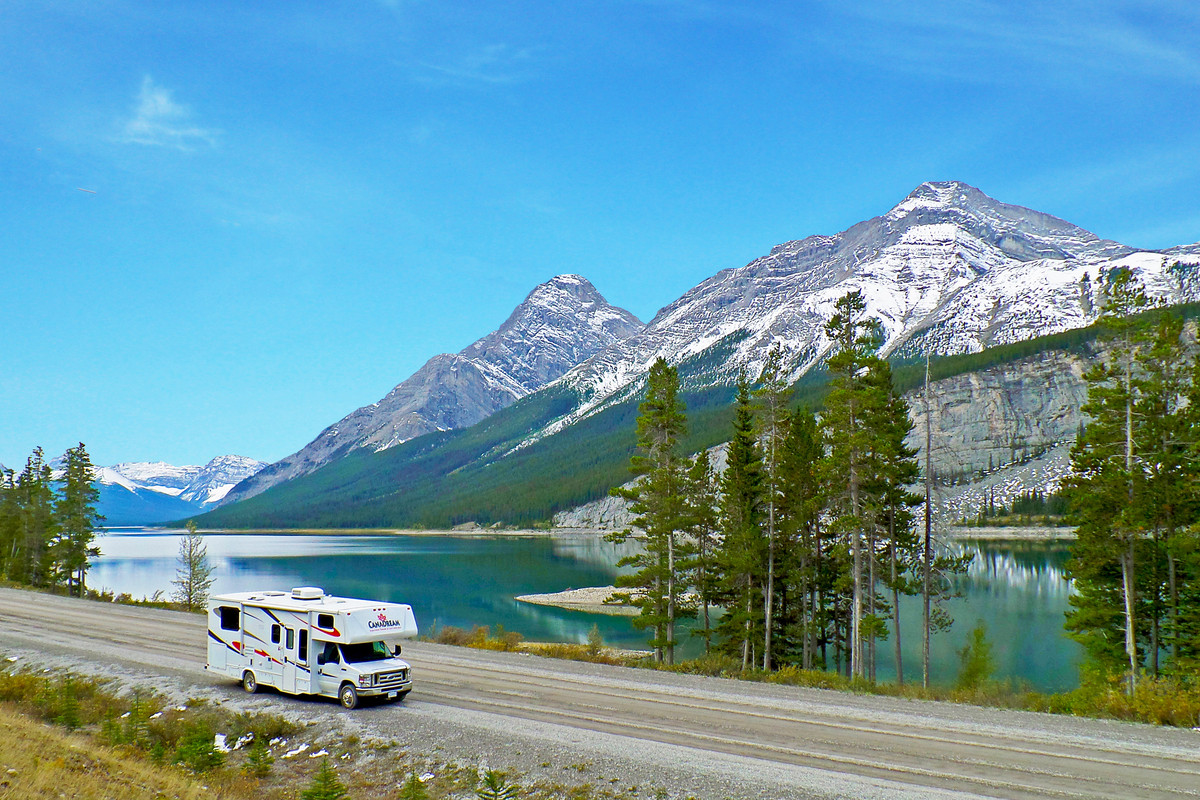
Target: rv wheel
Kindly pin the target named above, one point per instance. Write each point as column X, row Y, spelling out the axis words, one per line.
column 249, row 682
column 348, row 696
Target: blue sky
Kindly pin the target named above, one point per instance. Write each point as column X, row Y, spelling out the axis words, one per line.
column 296, row 204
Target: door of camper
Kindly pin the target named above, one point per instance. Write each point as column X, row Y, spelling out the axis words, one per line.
column 296, row 676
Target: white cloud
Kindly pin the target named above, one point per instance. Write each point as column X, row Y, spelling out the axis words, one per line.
column 160, row 121
column 491, row 64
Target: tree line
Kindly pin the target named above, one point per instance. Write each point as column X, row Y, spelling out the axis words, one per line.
column 47, row 525
column 1134, row 492
column 807, row 539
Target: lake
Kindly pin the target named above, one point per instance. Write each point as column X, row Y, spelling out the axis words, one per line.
column 1016, row 588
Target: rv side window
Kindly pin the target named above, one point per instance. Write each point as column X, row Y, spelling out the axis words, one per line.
column 302, row 654
column 274, row 634
column 325, row 621
column 291, row 638
column 230, row 618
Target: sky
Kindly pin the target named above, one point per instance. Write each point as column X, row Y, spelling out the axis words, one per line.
column 290, row 206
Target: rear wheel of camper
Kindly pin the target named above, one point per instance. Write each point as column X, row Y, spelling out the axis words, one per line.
column 348, row 696
column 249, row 682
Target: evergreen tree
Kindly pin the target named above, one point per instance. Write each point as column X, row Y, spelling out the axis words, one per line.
column 852, row 407
column 10, row 524
column 771, row 405
column 806, row 563
column 897, row 469
column 702, row 523
column 78, row 519
column 194, row 573
column 325, row 785
column 739, row 556
column 1103, row 485
column 30, row 558
column 659, row 501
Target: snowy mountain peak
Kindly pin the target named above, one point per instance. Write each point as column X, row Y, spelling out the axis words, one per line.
column 559, row 324
column 200, row 485
column 947, row 270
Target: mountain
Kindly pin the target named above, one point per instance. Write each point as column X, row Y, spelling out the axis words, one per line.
column 561, row 323
column 949, row 270
column 143, row 493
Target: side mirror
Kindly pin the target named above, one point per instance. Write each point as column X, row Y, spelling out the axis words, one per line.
column 396, row 651
column 320, row 658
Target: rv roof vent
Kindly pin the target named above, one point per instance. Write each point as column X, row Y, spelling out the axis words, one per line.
column 274, row 594
column 307, row 593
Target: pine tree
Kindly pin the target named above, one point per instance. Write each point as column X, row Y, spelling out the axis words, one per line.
column 771, row 405
column 10, row 524
column 30, row 558
column 800, row 505
column 740, row 555
column 1105, row 481
column 413, row 789
column 78, row 519
column 194, row 573
column 659, row 501
column 702, row 524
column 853, row 404
column 325, row 785
column 495, row 787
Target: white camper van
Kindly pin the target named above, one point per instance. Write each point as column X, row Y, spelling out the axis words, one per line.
column 308, row 642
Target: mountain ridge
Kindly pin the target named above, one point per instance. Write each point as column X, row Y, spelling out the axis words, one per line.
column 560, row 323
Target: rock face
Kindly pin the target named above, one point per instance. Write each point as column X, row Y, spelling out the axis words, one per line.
column 948, row 270
column 1013, row 421
column 985, row 420
column 561, row 323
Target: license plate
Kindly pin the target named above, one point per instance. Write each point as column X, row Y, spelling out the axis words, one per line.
column 392, row 695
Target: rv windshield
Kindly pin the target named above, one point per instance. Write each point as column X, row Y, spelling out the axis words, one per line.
column 365, row 651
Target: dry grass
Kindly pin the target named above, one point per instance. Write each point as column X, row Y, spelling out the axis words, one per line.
column 39, row 761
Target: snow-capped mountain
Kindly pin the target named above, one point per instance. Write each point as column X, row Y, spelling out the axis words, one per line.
column 949, row 270
column 201, row 485
column 561, row 323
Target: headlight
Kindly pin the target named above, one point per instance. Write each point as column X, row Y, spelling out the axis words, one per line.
column 364, row 680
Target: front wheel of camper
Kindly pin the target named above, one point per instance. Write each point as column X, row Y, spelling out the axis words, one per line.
column 348, row 696
column 249, row 682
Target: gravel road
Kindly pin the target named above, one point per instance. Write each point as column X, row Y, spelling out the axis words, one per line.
column 695, row 736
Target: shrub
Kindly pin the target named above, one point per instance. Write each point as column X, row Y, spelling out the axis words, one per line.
column 197, row 750
column 976, row 659
column 595, row 642
column 325, row 785
column 258, row 759
column 496, row 788
column 413, row 789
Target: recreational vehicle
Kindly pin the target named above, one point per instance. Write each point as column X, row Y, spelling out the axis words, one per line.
column 308, row 642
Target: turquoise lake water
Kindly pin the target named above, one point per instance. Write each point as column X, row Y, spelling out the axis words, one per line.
column 1016, row 589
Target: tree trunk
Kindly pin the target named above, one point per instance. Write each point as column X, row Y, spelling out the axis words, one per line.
column 928, row 555
column 896, row 603
column 671, row 597
column 1130, row 633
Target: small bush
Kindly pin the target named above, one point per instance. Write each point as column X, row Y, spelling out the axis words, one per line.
column 413, row 789
column 976, row 659
column 258, row 759
column 595, row 642
column 197, row 751
column 325, row 785
column 495, row 787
